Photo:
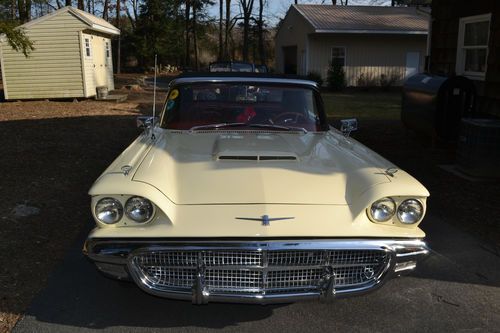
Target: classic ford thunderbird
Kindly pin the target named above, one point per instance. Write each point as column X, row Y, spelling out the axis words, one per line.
column 242, row 192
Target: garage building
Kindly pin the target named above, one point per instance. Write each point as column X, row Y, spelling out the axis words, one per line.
column 369, row 42
column 72, row 57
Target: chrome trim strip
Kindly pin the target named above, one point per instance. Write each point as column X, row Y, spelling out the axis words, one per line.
column 242, row 79
column 383, row 32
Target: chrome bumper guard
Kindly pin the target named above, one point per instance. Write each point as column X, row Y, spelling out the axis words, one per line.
column 262, row 272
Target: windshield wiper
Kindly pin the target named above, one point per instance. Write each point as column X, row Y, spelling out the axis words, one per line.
column 215, row 126
column 281, row 127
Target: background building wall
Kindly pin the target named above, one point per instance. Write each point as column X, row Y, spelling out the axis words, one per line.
column 369, row 55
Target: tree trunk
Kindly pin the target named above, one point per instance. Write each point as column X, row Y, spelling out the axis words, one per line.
column 21, row 7
column 186, row 19
column 228, row 25
column 262, row 55
column 119, row 42
column 105, row 8
column 80, row 5
column 195, row 41
column 246, row 22
column 28, row 10
column 247, row 6
column 68, row 3
column 221, row 13
column 13, row 10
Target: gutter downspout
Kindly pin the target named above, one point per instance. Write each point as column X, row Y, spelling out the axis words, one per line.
column 307, row 56
column 429, row 38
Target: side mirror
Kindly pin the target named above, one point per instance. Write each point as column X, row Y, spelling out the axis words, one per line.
column 145, row 122
column 348, row 125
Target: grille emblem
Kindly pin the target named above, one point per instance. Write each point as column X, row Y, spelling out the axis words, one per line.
column 369, row 272
column 265, row 219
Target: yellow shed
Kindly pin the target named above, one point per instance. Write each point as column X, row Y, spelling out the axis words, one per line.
column 72, row 57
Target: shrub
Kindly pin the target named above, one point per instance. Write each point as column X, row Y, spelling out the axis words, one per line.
column 336, row 77
column 366, row 81
column 387, row 81
column 315, row 76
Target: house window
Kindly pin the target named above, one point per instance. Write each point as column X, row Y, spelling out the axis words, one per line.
column 87, row 47
column 108, row 53
column 472, row 49
column 338, row 56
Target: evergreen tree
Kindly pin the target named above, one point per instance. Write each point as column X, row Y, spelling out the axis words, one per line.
column 16, row 37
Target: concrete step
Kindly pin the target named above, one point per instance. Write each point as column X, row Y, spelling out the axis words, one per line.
column 113, row 98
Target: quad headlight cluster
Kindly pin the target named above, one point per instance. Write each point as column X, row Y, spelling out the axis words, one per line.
column 110, row 210
column 409, row 211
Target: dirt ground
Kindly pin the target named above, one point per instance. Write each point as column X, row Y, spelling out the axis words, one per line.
column 51, row 152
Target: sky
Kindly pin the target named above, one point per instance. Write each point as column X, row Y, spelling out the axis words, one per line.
column 276, row 9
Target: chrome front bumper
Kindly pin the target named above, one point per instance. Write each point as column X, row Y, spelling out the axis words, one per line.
column 268, row 271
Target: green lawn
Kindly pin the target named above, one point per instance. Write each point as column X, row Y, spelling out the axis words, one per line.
column 363, row 105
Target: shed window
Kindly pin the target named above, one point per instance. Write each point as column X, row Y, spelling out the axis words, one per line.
column 108, row 53
column 338, row 56
column 87, row 47
column 472, row 50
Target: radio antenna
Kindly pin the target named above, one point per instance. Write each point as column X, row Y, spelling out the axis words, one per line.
column 154, row 101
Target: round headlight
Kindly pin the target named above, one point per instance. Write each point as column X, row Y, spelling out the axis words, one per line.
column 410, row 211
column 139, row 209
column 109, row 210
column 382, row 210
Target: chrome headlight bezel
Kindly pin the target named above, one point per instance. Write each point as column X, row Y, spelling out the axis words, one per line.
column 113, row 205
column 414, row 210
column 131, row 205
column 400, row 204
column 386, row 206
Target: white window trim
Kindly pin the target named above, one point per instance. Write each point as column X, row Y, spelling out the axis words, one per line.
column 107, row 49
column 460, row 62
column 345, row 54
column 85, row 39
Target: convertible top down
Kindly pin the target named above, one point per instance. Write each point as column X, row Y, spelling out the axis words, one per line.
column 242, row 192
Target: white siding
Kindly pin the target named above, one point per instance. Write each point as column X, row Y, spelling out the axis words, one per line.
column 54, row 68
column 370, row 55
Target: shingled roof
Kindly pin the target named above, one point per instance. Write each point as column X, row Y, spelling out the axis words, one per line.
column 365, row 19
column 94, row 22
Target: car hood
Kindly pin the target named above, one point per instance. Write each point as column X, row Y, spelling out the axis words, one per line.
column 260, row 168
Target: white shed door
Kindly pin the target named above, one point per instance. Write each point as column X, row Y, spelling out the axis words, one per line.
column 412, row 64
column 100, row 61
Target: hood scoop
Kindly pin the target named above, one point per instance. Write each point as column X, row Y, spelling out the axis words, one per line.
column 257, row 158
column 259, row 148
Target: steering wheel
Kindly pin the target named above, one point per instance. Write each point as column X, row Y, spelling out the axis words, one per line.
column 289, row 118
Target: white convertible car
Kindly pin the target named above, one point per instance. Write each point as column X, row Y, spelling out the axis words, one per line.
column 241, row 192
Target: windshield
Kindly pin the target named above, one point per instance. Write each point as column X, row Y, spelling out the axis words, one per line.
column 223, row 105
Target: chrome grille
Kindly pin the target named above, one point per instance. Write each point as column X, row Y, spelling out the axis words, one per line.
column 296, row 258
column 355, row 257
column 233, row 280
column 294, row 279
column 168, row 258
column 258, row 271
column 170, row 277
column 240, row 258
